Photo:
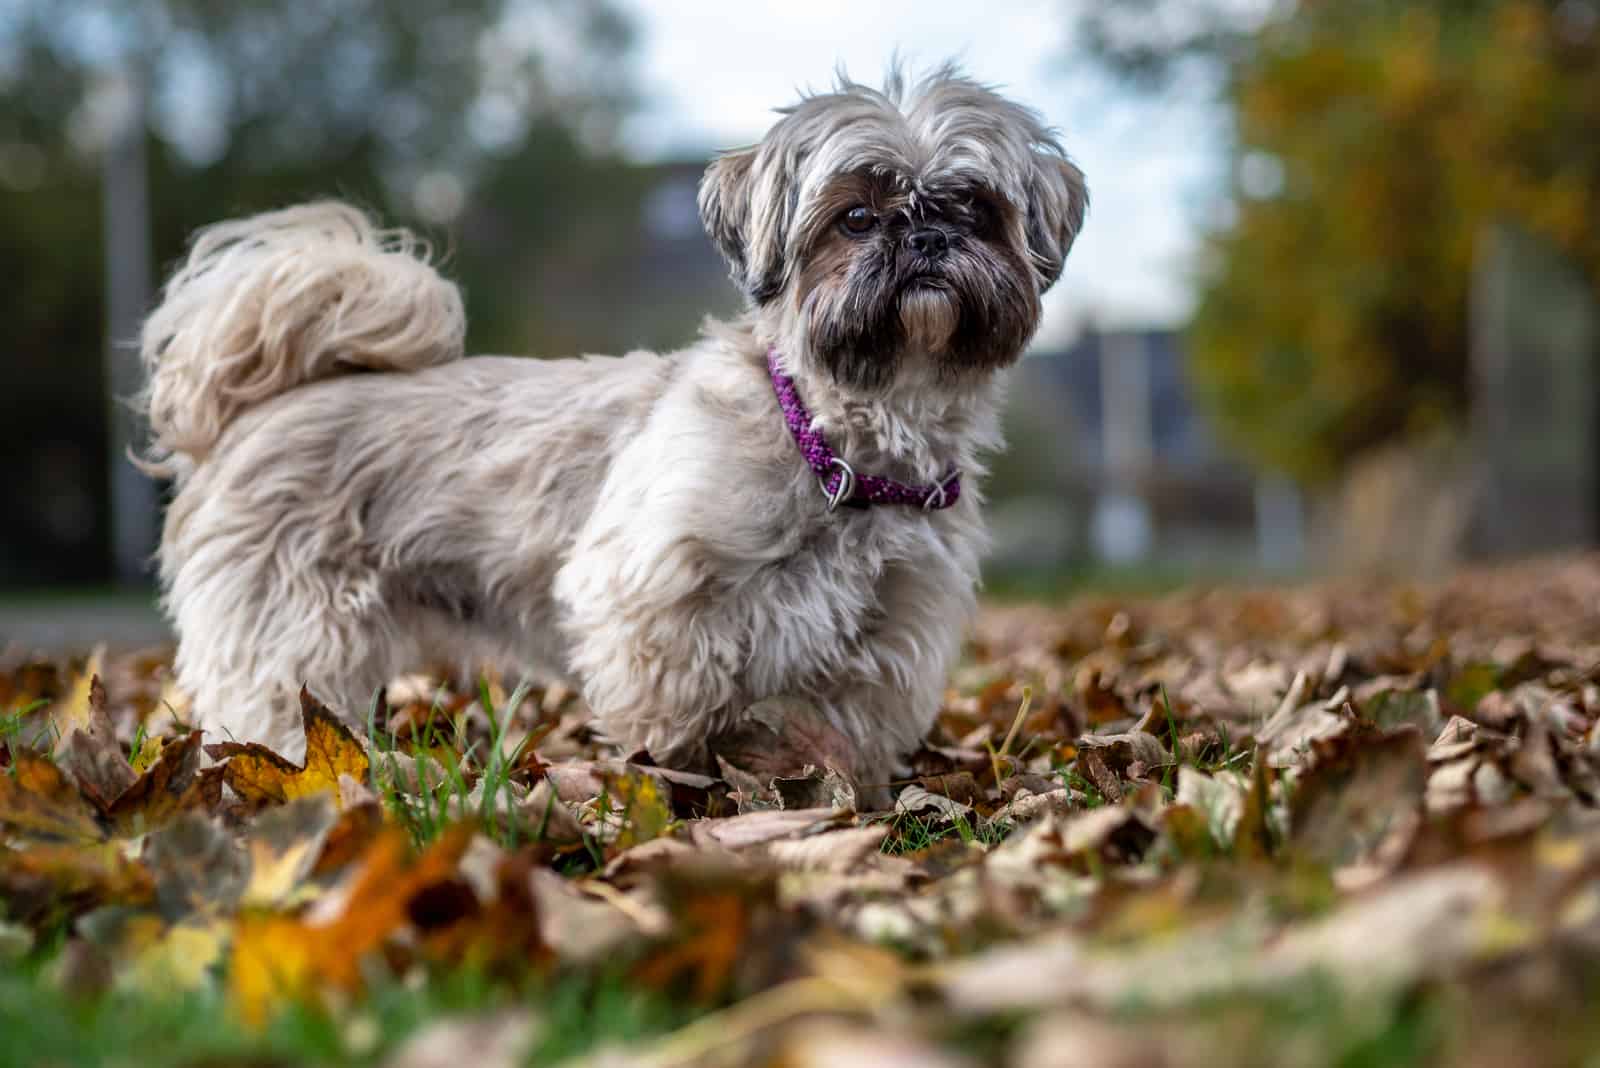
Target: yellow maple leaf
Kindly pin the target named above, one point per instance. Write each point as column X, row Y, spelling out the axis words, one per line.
column 149, row 752
column 75, row 710
column 278, row 959
column 261, row 776
column 162, row 957
column 272, row 963
column 280, row 863
column 645, row 813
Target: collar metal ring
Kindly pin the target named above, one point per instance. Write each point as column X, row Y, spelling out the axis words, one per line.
column 846, row 487
column 937, row 495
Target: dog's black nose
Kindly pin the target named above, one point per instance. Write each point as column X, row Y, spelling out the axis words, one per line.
column 928, row 242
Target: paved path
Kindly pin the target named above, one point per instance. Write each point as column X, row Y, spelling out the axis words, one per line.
column 59, row 624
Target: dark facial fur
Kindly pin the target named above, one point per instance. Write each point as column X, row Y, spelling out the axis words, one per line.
column 937, row 274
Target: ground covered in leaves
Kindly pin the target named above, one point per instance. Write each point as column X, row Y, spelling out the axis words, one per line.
column 1346, row 824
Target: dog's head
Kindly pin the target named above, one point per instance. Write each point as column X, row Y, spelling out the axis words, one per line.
column 915, row 222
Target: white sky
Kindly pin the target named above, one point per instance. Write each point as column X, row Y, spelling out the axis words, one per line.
column 713, row 70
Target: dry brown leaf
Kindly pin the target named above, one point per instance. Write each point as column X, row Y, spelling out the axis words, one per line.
column 836, row 1045
column 501, row 1040
column 757, row 828
column 44, row 881
column 1361, row 789
column 709, row 932
column 174, row 782
column 90, row 751
column 593, row 922
column 815, row 788
column 1071, row 1039
column 915, row 800
column 835, row 852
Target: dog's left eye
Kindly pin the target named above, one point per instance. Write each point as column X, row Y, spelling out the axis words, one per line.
column 858, row 220
column 980, row 215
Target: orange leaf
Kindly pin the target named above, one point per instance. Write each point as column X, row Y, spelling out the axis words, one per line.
column 716, row 924
column 51, row 879
column 37, row 801
column 278, row 958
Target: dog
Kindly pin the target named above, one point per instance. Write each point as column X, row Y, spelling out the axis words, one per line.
column 788, row 507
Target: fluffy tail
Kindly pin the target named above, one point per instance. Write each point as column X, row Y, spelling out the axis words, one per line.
column 264, row 304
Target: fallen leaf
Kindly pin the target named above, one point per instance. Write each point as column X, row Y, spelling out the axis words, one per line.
column 709, row 933
column 283, row 849
column 260, row 776
column 1105, row 780
column 815, row 788
column 278, row 959
column 500, row 1040
column 37, row 801
column 914, row 799
column 783, row 737
column 198, row 868
column 759, row 828
column 90, row 751
column 173, row 783
column 1360, row 789
column 835, row 851
column 639, row 809
column 42, row 883
column 76, row 708
column 836, row 1045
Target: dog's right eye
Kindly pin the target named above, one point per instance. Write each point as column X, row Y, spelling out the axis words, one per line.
column 858, row 220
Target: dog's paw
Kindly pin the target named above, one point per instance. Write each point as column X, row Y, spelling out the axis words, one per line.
column 787, row 751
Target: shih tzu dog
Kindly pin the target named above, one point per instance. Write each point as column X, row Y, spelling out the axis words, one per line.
column 786, row 507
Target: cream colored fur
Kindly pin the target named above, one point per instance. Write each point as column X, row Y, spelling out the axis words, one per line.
column 642, row 525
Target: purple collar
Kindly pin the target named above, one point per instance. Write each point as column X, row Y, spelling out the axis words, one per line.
column 840, row 483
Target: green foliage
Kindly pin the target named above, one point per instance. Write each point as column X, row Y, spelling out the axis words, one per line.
column 1375, row 143
column 45, row 1024
column 911, row 833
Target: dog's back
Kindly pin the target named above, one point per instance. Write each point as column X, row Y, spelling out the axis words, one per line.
column 270, row 302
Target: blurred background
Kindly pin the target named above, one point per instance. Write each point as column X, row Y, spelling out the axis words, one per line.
column 1337, row 306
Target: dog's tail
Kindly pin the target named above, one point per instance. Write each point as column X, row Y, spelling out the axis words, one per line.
column 264, row 304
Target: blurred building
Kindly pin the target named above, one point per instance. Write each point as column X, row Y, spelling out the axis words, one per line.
column 653, row 287
column 1109, row 461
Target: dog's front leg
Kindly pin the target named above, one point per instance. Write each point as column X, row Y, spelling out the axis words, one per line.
column 638, row 605
column 890, row 691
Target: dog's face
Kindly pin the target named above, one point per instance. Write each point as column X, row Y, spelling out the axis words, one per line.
column 897, row 225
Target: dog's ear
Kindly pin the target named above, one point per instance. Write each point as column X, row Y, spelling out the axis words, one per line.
column 1058, row 200
column 745, row 209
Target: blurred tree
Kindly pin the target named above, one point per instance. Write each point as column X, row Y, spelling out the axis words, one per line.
column 1375, row 143
column 410, row 106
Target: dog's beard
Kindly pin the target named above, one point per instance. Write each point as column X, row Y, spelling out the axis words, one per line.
column 928, row 316
column 865, row 314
